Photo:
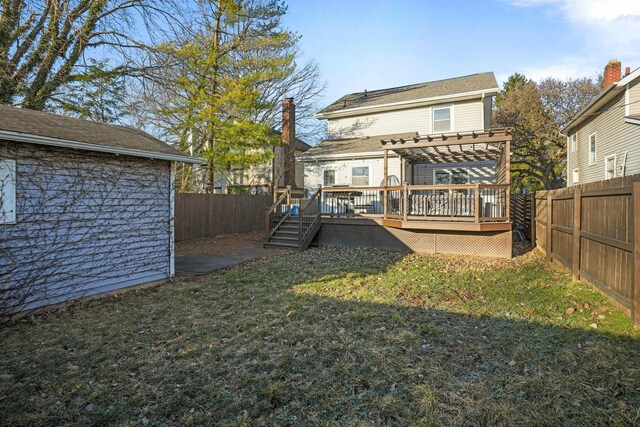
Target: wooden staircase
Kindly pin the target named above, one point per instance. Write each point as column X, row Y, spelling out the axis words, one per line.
column 292, row 232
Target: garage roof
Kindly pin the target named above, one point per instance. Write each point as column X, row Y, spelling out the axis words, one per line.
column 37, row 127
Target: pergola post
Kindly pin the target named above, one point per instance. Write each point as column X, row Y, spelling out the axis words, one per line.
column 507, row 149
column 385, row 182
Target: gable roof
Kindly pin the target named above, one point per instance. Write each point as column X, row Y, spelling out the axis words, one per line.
column 331, row 148
column 434, row 91
column 37, row 127
column 608, row 94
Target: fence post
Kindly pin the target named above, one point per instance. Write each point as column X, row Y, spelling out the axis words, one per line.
column 533, row 221
column 577, row 227
column 549, row 225
column 635, row 296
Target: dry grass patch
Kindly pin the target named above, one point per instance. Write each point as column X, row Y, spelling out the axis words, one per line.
column 333, row 336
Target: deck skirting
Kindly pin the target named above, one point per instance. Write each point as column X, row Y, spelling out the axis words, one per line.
column 371, row 233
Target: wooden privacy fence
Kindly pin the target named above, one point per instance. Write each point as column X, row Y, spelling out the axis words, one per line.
column 207, row 215
column 594, row 230
column 522, row 213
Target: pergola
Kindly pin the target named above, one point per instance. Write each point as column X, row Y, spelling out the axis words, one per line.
column 458, row 147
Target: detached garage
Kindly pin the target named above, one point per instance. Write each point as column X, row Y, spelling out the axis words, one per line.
column 85, row 208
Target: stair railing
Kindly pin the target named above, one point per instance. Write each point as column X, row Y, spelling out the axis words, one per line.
column 309, row 218
column 277, row 213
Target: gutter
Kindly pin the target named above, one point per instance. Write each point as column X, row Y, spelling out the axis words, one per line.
column 64, row 143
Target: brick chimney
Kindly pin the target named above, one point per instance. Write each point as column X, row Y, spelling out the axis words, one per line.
column 289, row 141
column 612, row 73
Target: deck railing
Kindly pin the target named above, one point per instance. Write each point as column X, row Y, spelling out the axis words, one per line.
column 470, row 202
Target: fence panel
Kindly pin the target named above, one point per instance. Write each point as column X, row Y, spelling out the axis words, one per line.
column 521, row 211
column 208, row 215
column 590, row 229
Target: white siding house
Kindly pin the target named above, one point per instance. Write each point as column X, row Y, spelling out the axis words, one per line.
column 357, row 123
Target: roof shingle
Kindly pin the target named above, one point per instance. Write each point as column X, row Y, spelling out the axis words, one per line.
column 447, row 87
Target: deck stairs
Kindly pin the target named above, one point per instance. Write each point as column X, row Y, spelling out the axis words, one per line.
column 289, row 228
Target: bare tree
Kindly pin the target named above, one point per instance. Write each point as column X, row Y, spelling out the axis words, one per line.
column 46, row 44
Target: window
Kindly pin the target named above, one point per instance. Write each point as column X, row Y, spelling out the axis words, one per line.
column 7, row 191
column 329, row 178
column 576, row 176
column 574, row 142
column 360, row 176
column 610, row 167
column 450, row 176
column 442, row 119
column 592, row 149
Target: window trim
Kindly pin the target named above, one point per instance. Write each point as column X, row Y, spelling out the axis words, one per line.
column 12, row 167
column 614, row 166
column 324, row 177
column 575, row 172
column 574, row 142
column 595, row 151
column 449, row 170
column 368, row 166
column 451, row 115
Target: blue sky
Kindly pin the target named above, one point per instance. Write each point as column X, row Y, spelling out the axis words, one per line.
column 376, row 44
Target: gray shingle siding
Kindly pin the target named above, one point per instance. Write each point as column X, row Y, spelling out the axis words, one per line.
column 613, row 136
column 86, row 223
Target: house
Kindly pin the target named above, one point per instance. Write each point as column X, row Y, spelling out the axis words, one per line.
column 603, row 138
column 86, row 207
column 420, row 164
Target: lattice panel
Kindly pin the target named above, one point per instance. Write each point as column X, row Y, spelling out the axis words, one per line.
column 495, row 244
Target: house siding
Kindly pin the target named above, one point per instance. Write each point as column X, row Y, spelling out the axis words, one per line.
column 314, row 171
column 613, row 136
column 479, row 172
column 86, row 223
column 466, row 116
column 634, row 98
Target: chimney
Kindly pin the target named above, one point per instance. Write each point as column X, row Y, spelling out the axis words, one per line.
column 627, row 71
column 289, row 141
column 612, row 73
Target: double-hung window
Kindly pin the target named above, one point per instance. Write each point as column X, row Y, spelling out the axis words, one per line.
column 592, row 149
column 575, row 178
column 329, row 178
column 442, row 119
column 574, row 142
column 7, row 191
column 610, row 166
column 360, row 176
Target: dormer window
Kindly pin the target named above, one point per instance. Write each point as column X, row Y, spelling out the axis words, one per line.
column 442, row 119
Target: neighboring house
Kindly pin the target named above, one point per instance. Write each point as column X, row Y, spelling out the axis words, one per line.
column 413, row 168
column 259, row 179
column 357, row 123
column 85, row 207
column 603, row 139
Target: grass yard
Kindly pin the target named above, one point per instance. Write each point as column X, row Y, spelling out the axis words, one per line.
column 332, row 336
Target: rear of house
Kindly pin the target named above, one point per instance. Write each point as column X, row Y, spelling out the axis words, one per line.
column 603, row 140
column 86, row 208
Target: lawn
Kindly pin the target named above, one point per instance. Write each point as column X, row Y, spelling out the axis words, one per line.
column 332, row 336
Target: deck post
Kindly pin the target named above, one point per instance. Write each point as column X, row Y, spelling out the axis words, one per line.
column 577, row 210
column 476, row 202
column 289, row 198
column 403, row 169
column 533, row 221
column 385, row 182
column 405, row 200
